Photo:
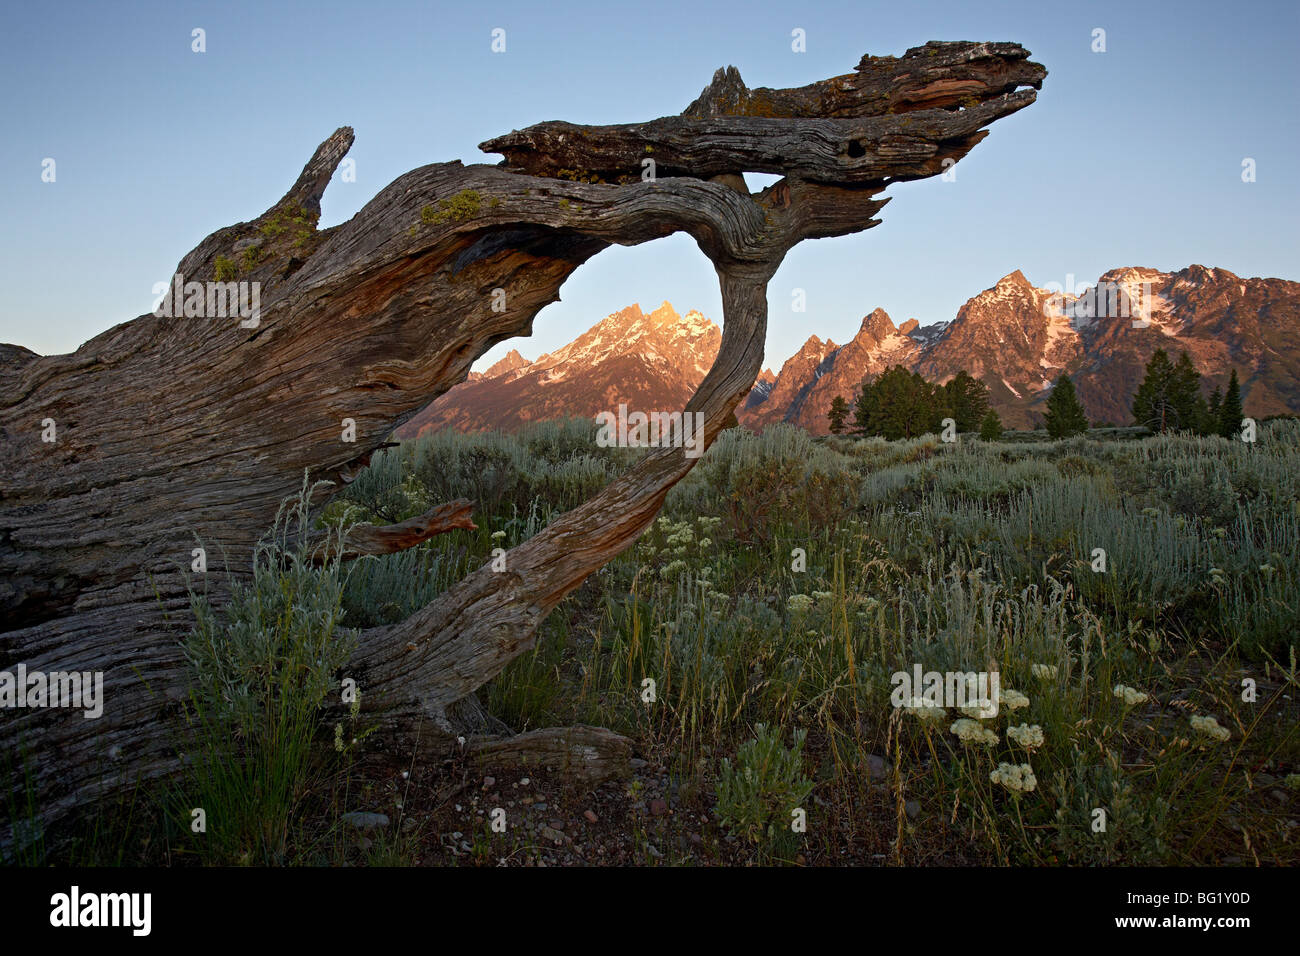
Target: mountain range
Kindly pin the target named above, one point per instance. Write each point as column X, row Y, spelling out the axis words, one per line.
column 1014, row 336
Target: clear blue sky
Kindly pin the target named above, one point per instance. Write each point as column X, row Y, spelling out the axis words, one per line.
column 1129, row 157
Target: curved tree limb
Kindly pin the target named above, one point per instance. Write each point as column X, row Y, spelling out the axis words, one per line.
column 366, row 540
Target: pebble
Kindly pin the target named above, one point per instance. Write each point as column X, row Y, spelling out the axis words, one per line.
column 591, row 817
column 550, row 833
column 489, row 783
column 364, row 821
column 658, row 807
column 877, row 767
column 637, row 763
column 913, row 808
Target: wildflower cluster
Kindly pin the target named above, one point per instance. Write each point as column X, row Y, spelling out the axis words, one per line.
column 1128, row 695
column 970, row 732
column 1029, row 736
column 799, row 603
column 1018, row 778
column 919, row 707
column 1013, row 699
column 1210, row 728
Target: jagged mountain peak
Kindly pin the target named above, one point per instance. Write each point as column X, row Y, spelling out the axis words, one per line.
column 877, row 325
column 814, row 343
column 651, row 361
column 509, row 363
column 1134, row 273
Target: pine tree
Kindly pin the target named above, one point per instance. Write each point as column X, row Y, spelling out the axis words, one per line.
column 1185, row 399
column 838, row 413
column 1231, row 413
column 991, row 426
column 864, row 409
column 1065, row 415
column 1152, row 405
column 1213, row 412
column 898, row 404
column 965, row 399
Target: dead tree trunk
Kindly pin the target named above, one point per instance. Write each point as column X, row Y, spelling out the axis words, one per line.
column 193, row 426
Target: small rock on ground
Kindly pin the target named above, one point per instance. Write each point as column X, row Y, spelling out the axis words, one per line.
column 365, row 821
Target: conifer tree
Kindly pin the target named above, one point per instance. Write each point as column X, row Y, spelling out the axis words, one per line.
column 1231, row 413
column 898, row 404
column 991, row 426
column 965, row 399
column 1065, row 415
column 1152, row 404
column 1188, row 406
column 838, row 413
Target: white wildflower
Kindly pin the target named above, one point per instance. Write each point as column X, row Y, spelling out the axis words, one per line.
column 919, row 707
column 1029, row 736
column 970, row 732
column 1128, row 695
column 671, row 568
column 1018, row 778
column 1210, row 727
column 1013, row 699
column 799, row 603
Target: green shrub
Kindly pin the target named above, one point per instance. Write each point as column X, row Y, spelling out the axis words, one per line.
column 225, row 269
column 757, row 797
column 261, row 667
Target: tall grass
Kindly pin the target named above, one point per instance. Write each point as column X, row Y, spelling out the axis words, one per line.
column 261, row 666
column 785, row 583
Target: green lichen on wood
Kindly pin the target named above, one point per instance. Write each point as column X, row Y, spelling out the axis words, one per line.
column 291, row 220
column 464, row 205
column 579, row 176
column 759, row 105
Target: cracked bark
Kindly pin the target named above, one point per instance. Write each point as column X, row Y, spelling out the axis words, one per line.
column 172, row 428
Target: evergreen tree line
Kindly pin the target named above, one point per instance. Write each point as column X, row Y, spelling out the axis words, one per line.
column 901, row 404
column 1170, row 399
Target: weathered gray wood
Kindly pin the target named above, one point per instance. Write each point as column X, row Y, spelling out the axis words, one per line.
column 869, row 150
column 367, row 539
column 172, row 431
